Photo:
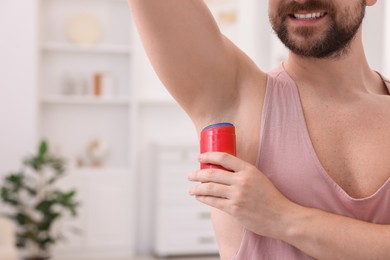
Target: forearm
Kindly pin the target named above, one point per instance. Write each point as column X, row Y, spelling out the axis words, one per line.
column 252, row 199
column 328, row 236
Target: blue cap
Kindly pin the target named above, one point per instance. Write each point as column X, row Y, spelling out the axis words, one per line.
column 217, row 125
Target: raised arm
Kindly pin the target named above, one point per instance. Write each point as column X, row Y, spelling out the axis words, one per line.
column 196, row 63
column 208, row 76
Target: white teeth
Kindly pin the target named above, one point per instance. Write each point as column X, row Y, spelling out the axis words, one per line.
column 308, row 15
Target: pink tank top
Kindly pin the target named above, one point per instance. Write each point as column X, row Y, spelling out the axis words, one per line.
column 288, row 159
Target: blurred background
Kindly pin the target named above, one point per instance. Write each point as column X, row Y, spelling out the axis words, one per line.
column 73, row 72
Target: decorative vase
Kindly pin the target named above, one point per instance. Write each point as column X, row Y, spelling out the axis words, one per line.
column 97, row 152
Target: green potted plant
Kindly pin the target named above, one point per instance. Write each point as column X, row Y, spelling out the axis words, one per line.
column 37, row 203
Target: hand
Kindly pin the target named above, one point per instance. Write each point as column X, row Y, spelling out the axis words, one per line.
column 243, row 192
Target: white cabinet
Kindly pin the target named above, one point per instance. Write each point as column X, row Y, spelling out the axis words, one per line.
column 182, row 224
column 104, row 224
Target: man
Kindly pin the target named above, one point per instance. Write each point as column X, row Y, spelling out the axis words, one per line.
column 311, row 177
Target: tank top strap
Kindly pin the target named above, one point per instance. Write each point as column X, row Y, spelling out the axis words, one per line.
column 282, row 114
column 386, row 81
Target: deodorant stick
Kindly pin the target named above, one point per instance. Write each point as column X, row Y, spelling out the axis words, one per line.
column 219, row 137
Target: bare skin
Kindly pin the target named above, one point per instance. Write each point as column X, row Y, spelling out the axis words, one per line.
column 214, row 81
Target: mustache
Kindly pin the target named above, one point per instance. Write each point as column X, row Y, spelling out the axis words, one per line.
column 311, row 5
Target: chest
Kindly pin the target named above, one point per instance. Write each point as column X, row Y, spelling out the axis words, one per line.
column 352, row 143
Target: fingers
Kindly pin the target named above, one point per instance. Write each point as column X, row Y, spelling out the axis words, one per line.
column 219, row 203
column 212, row 175
column 217, row 185
column 211, row 190
column 225, row 160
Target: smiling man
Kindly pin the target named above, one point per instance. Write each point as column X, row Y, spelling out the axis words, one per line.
column 311, row 176
column 296, row 25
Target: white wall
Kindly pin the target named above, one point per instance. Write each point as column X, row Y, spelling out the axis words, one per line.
column 17, row 81
column 255, row 31
column 373, row 35
column 386, row 41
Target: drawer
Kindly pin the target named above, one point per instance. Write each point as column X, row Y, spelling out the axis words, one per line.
column 173, row 244
column 181, row 220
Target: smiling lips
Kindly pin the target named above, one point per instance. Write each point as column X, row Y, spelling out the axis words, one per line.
column 306, row 16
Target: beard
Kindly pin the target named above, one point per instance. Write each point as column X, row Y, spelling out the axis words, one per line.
column 333, row 42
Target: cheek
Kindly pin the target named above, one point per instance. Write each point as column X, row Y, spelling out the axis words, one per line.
column 272, row 7
column 273, row 14
column 277, row 11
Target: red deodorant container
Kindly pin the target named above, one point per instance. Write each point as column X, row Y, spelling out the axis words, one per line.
column 219, row 137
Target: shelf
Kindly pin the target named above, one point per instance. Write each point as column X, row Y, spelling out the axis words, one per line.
column 84, row 100
column 102, row 49
column 99, row 171
column 158, row 102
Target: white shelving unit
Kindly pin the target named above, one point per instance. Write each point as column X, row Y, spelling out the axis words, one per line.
column 67, row 70
column 76, row 109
